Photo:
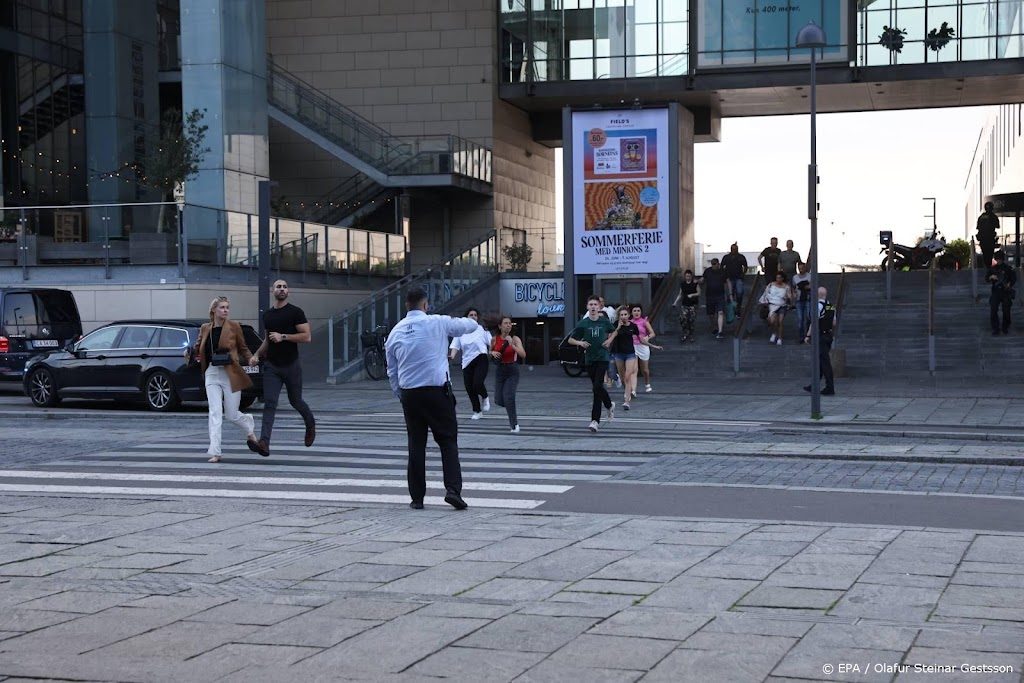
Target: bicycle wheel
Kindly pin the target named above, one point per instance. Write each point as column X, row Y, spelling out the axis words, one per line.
column 373, row 361
column 573, row 370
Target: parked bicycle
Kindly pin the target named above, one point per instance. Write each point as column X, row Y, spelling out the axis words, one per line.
column 374, row 359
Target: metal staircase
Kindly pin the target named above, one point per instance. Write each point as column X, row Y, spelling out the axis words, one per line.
column 476, row 266
column 386, row 159
column 353, row 197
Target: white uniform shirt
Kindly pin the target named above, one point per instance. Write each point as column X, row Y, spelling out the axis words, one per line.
column 417, row 349
column 472, row 345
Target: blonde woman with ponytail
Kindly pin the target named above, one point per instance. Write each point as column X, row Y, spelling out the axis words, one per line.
column 220, row 350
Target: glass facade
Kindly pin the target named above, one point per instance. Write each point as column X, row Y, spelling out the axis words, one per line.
column 566, row 40
column 42, row 103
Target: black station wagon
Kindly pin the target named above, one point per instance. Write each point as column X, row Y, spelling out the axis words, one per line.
column 131, row 360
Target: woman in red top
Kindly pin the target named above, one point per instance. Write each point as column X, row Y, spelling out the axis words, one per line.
column 506, row 351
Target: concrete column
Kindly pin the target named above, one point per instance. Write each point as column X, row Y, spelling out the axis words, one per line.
column 224, row 71
column 122, row 105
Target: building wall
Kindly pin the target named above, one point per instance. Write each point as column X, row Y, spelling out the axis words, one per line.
column 686, row 193
column 997, row 167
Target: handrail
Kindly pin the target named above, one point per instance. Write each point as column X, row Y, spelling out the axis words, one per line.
column 741, row 323
column 931, row 315
column 664, row 292
column 408, row 279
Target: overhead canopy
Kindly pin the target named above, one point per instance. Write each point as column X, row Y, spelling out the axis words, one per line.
column 1009, row 204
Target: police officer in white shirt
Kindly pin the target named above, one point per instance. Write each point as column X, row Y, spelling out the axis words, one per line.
column 418, row 372
column 475, row 347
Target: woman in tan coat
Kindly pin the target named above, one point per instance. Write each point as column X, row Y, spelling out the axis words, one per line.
column 221, row 350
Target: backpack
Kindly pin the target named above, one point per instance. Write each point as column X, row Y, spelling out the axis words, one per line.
column 826, row 317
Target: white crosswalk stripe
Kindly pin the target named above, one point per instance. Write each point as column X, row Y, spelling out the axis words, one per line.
column 321, row 473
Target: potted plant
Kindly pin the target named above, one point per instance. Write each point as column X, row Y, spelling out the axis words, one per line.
column 892, row 38
column 518, row 256
column 938, row 38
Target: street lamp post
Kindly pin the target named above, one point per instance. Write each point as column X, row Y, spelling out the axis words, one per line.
column 935, row 226
column 813, row 36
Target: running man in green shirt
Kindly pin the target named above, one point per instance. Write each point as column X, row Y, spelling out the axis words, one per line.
column 595, row 333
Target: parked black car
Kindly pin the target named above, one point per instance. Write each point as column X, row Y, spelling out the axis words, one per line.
column 131, row 360
column 33, row 322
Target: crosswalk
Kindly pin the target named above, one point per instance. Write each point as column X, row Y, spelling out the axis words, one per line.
column 326, row 472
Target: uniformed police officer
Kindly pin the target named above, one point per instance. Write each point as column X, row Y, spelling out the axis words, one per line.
column 417, row 358
column 826, row 325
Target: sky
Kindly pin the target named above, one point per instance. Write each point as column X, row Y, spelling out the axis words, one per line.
column 875, row 168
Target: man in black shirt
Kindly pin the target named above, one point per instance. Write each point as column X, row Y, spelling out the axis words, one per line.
column 988, row 226
column 1003, row 278
column 769, row 260
column 286, row 327
column 735, row 266
column 716, row 287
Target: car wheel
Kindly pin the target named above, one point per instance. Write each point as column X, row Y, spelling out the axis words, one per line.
column 160, row 393
column 246, row 402
column 42, row 388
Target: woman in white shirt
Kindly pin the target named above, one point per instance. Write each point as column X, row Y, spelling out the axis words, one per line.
column 474, row 346
column 778, row 297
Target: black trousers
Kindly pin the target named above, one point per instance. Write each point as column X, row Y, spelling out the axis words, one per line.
column 474, row 375
column 987, row 249
column 596, row 371
column 431, row 407
column 995, row 302
column 506, row 381
column 825, row 360
column 274, row 377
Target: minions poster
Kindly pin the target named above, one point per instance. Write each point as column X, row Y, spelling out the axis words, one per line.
column 620, row 211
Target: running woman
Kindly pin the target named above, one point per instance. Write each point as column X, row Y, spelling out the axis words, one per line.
column 506, row 352
column 623, row 353
column 642, row 345
column 474, row 347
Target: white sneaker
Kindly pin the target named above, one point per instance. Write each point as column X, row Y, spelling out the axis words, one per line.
column 593, row 426
column 778, row 342
column 487, row 404
column 476, row 416
column 515, row 430
column 648, row 389
column 618, row 384
column 632, row 394
column 771, row 339
column 611, row 412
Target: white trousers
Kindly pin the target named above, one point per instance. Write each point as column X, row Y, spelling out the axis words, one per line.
column 223, row 401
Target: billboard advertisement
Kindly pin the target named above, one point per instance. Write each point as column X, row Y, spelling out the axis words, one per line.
column 734, row 33
column 620, row 191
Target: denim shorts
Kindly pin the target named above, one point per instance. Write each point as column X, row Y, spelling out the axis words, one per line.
column 623, row 356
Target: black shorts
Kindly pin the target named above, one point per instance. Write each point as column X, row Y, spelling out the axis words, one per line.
column 715, row 304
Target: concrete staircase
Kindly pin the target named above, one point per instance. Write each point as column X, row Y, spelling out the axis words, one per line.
column 880, row 339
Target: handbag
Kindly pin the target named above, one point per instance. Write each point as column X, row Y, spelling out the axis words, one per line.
column 220, row 358
column 763, row 311
column 730, row 312
column 497, row 361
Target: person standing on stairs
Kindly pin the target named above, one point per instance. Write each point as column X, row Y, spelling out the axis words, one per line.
column 826, row 325
column 1003, row 279
column 687, row 300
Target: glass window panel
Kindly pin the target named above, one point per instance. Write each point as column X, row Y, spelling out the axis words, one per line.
column 602, row 68
column 977, row 48
column 645, row 11
column 646, row 40
column 173, row 338
column 136, row 338
column 673, row 65
column 975, row 21
column 911, row 21
column 100, row 339
column 673, row 10
column 674, row 38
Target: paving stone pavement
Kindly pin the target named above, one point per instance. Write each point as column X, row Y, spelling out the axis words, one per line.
column 164, row 589
column 889, row 475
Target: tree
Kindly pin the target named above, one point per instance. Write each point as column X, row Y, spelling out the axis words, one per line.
column 518, row 256
column 176, row 155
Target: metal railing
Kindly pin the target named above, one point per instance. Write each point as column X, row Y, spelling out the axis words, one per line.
column 166, row 233
column 443, row 282
column 741, row 323
column 931, row 315
column 840, row 297
column 668, row 286
column 390, row 154
column 348, row 197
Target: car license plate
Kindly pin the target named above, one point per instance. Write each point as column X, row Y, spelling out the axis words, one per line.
column 251, row 369
column 45, row 343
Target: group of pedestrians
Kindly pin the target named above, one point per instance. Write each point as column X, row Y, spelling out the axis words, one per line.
column 220, row 350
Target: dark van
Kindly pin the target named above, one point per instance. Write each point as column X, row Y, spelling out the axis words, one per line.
column 34, row 321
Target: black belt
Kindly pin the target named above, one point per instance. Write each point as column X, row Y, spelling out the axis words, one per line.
column 428, row 388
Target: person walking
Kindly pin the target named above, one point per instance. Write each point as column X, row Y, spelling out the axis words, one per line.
column 988, row 227
column 418, row 374
column 789, row 260
column 506, row 352
column 613, row 374
column 1003, row 278
column 716, row 289
column 777, row 296
column 735, row 266
column 286, row 328
column 826, row 325
column 474, row 347
column 801, row 294
column 623, row 354
column 595, row 333
column 642, row 346
column 687, row 300
column 769, row 260
column 221, row 350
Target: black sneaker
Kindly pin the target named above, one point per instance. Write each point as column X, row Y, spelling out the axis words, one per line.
column 828, row 392
column 807, row 388
column 719, row 336
column 416, row 505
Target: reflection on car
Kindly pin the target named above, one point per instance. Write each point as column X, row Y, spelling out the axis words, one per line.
column 131, row 360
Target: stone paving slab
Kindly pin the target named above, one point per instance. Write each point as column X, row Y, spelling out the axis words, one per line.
column 550, row 596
